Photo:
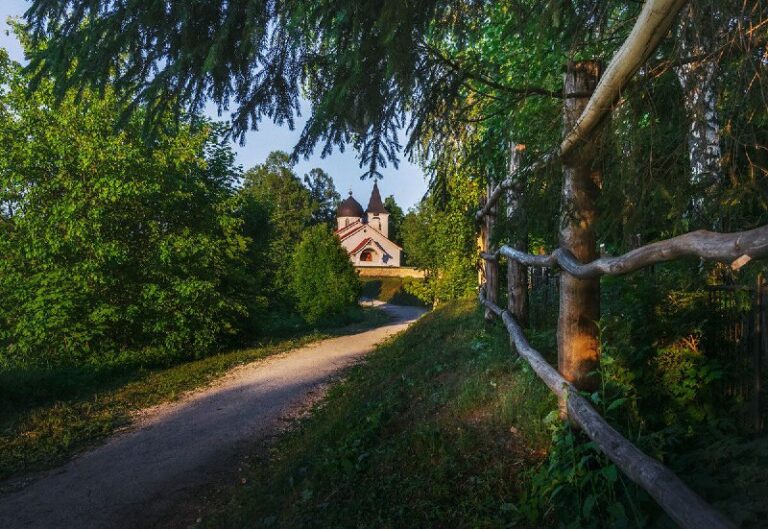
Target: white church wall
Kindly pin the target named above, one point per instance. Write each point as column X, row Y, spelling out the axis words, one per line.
column 390, row 248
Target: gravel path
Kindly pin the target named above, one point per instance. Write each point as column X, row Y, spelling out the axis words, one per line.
column 136, row 477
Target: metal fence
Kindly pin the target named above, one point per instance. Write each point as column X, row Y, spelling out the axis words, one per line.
column 735, row 333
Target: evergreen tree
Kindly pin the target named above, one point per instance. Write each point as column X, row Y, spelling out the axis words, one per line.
column 396, row 217
column 324, row 194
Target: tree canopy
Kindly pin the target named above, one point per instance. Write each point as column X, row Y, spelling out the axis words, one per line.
column 367, row 68
column 112, row 246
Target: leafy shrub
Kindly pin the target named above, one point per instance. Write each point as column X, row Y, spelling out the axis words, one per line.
column 323, row 279
column 112, row 246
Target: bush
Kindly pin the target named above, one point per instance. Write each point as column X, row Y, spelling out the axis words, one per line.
column 323, row 279
column 114, row 248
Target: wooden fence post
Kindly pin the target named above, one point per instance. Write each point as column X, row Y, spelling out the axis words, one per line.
column 517, row 273
column 577, row 333
column 491, row 266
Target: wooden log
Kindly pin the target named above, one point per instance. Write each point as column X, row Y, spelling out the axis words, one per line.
column 738, row 247
column 517, row 273
column 683, row 505
column 578, row 351
column 491, row 267
column 649, row 29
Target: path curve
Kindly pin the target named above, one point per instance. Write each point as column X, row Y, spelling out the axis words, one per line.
column 137, row 476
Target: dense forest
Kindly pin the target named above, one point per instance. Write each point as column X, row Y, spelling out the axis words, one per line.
column 128, row 230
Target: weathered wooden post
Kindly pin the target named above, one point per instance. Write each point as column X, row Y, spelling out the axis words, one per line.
column 577, row 333
column 517, row 274
column 491, row 266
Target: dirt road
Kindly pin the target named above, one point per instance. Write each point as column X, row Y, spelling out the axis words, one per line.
column 136, row 477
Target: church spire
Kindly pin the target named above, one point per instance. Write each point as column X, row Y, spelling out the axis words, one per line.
column 375, row 204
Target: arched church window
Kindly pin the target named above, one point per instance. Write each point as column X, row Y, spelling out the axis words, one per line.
column 367, row 256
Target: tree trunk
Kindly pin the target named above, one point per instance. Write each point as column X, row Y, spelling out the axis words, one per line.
column 491, row 266
column 577, row 336
column 517, row 273
column 698, row 82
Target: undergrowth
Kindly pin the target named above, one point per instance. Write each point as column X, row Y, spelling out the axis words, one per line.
column 390, row 289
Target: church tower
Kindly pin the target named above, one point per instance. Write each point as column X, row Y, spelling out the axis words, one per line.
column 378, row 216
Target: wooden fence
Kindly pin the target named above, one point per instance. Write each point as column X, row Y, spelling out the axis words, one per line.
column 588, row 99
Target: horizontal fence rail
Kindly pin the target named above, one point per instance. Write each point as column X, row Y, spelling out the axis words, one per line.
column 734, row 248
column 683, row 505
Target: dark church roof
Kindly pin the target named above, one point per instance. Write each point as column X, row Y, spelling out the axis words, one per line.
column 350, row 207
column 374, row 204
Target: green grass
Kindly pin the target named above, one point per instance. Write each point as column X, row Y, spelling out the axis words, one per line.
column 46, row 417
column 390, row 290
column 439, row 428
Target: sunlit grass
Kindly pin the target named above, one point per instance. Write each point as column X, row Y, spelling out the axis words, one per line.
column 437, row 429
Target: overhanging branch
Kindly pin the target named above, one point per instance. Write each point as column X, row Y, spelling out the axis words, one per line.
column 650, row 28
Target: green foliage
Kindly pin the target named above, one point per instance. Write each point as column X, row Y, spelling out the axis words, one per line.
column 323, row 279
column 662, row 388
column 324, row 194
column 441, row 240
column 286, row 210
column 277, row 208
column 113, row 246
column 396, row 216
column 390, row 289
column 730, row 472
column 578, row 487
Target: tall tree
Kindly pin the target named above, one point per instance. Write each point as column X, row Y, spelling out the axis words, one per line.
column 113, row 246
column 324, row 194
column 324, row 280
column 276, row 189
column 396, row 216
column 364, row 66
column 699, row 35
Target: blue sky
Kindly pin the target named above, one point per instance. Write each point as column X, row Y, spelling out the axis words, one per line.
column 407, row 183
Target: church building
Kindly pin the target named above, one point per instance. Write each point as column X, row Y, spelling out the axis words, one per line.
column 365, row 234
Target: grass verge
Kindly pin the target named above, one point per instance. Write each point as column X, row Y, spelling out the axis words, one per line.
column 47, row 417
column 439, row 428
column 390, row 290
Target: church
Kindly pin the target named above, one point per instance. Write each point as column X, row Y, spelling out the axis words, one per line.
column 365, row 234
